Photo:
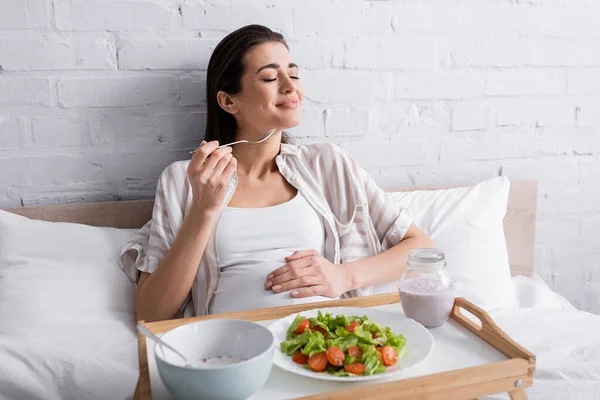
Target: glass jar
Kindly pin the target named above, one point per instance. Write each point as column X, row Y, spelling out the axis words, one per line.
column 426, row 289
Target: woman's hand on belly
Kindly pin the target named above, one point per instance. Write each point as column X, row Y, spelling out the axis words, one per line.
column 308, row 273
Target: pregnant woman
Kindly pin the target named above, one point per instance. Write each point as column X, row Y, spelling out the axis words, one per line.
column 263, row 225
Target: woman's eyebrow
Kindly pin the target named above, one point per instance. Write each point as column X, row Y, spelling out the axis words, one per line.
column 275, row 66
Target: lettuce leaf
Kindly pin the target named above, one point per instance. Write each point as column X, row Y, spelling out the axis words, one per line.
column 372, row 360
column 342, row 372
column 291, row 332
column 361, row 335
column 395, row 341
column 351, row 360
column 315, row 322
column 342, row 342
column 333, row 322
column 372, row 327
column 315, row 344
column 291, row 346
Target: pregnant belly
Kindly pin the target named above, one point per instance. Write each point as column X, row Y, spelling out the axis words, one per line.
column 242, row 288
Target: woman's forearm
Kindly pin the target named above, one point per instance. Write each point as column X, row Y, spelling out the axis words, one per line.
column 161, row 294
column 388, row 265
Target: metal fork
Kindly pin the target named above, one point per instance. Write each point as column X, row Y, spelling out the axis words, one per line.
column 262, row 139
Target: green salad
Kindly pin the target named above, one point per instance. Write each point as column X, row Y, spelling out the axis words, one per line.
column 341, row 345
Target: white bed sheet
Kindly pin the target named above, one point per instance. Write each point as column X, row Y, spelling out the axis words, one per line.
column 566, row 342
column 99, row 360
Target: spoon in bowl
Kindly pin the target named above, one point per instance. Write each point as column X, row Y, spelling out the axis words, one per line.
column 146, row 332
column 262, row 139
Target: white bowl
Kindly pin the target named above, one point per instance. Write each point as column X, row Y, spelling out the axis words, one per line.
column 214, row 338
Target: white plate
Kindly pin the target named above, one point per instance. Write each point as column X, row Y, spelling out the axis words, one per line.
column 419, row 342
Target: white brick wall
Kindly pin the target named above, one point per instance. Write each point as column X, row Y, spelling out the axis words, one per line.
column 25, row 14
column 118, row 91
column 98, row 96
column 48, row 52
column 19, row 91
column 124, row 16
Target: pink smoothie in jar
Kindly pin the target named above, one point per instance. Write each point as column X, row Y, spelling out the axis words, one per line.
column 427, row 301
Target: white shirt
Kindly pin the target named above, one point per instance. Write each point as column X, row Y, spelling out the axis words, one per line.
column 253, row 242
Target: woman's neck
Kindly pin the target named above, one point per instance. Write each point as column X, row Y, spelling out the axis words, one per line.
column 257, row 160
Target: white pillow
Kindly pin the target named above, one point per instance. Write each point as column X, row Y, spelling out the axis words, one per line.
column 467, row 224
column 533, row 292
column 67, row 317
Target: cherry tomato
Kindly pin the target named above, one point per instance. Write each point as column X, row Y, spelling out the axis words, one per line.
column 299, row 358
column 318, row 362
column 355, row 368
column 335, row 356
column 302, row 327
column 355, row 351
column 389, row 356
column 352, row 327
column 319, row 329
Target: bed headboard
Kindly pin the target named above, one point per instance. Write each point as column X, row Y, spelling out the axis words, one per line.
column 519, row 223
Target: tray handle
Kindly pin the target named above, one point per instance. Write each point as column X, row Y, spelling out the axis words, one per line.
column 489, row 331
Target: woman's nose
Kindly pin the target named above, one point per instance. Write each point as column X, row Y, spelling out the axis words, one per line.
column 287, row 86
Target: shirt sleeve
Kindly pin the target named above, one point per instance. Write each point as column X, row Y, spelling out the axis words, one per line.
column 167, row 217
column 391, row 221
column 148, row 247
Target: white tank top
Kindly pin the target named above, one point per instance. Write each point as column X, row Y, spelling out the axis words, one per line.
column 252, row 242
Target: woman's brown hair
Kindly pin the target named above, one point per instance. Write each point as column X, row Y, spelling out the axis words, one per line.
column 225, row 70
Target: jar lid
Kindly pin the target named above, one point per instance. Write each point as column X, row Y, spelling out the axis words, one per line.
column 426, row 257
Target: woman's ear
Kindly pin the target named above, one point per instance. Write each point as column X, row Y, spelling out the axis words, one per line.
column 226, row 102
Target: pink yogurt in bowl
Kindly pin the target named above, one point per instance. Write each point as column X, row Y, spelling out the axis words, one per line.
column 427, row 301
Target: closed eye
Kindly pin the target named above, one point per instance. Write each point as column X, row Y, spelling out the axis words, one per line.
column 274, row 79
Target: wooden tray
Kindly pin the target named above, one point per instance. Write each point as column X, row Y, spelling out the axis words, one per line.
column 512, row 375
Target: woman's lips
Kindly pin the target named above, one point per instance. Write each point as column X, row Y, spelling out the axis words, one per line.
column 292, row 104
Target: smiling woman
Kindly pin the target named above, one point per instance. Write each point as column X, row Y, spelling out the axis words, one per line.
column 250, row 73
column 269, row 224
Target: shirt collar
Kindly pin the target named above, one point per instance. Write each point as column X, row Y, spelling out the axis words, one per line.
column 289, row 149
column 286, row 149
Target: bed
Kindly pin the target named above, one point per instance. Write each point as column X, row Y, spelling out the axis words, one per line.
column 66, row 353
